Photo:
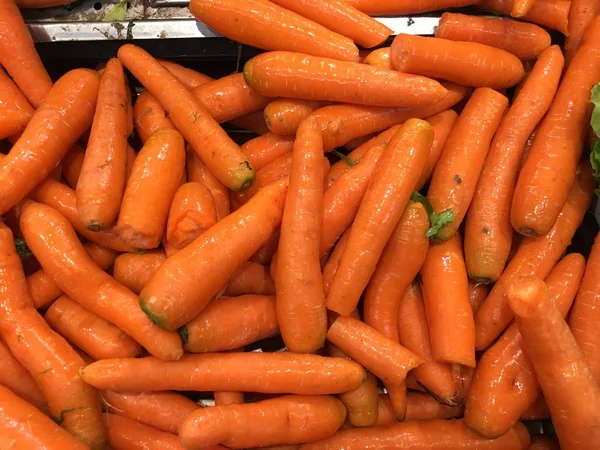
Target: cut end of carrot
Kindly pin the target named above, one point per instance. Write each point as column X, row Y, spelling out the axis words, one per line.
column 157, row 319
column 95, row 226
column 184, row 334
column 526, row 231
column 525, row 295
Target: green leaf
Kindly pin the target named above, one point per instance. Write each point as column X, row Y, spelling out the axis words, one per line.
column 344, row 158
column 436, row 221
column 22, row 248
column 595, row 160
column 595, row 100
column 117, row 12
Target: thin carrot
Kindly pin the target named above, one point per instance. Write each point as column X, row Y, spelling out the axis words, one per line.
column 102, row 179
column 394, row 179
column 72, row 163
column 393, row 8
column 251, row 278
column 210, row 142
column 552, row 14
column 296, row 75
column 265, row 25
column 581, row 14
column 488, row 231
column 477, row 294
column 379, row 58
column 64, row 115
column 24, row 426
column 188, row 77
column 216, row 329
column 149, row 116
column 55, row 244
column 455, row 177
column 15, row 110
column 225, row 398
column 549, row 171
column 197, row 172
column 543, row 442
column 284, row 115
column 493, row 405
column 19, row 57
column 570, row 391
column 534, row 257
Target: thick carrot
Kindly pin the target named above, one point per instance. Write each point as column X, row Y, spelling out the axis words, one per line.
column 161, row 163
column 581, row 14
column 425, row 435
column 265, row 25
column 188, row 77
column 455, row 177
column 149, row 116
column 216, row 328
column 570, row 391
column 210, row 142
column 548, row 13
column 393, row 8
column 534, row 257
column 549, row 171
column 524, row 40
column 127, row 434
column 488, row 231
column 477, row 294
column 19, row 57
column 251, row 278
column 64, row 115
column 543, row 442
column 394, row 179
column 493, row 405
column 296, row 75
column 72, row 164
column 15, row 110
column 197, row 172
column 46, row 356
column 25, row 427
column 163, row 410
column 102, row 180
column 467, row 63
column 282, row 372
column 379, row 58
column 62, row 256
column 283, row 115
column 206, row 265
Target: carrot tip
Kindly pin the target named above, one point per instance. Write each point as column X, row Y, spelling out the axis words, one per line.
column 157, row 319
column 526, row 231
column 184, row 334
column 95, row 226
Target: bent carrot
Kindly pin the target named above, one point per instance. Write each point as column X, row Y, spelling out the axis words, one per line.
column 15, row 111
column 102, row 179
column 251, row 278
column 72, row 164
column 552, row 14
column 188, row 77
column 549, row 171
column 62, row 256
column 394, row 179
column 379, row 58
column 149, row 116
column 134, row 270
column 16, row 378
column 200, row 130
column 581, row 14
column 282, row 419
column 265, row 25
column 64, row 115
column 284, row 115
column 455, row 177
column 488, row 231
column 197, row 172
column 393, row 8
column 297, row 75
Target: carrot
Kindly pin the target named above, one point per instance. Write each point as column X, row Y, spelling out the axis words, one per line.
column 542, row 442
column 537, row 411
column 570, row 391
column 15, row 110
column 548, row 13
column 394, row 179
column 164, row 410
column 216, row 329
column 55, row 245
column 331, row 265
column 72, row 163
column 222, row 156
column 524, row 40
column 284, row 115
column 102, row 180
column 207, row 264
column 46, row 356
column 422, row 406
column 282, row 372
column 296, row 75
column 228, row 398
column 265, row 25
column 455, row 177
column 425, row 435
column 160, row 163
column 379, row 58
column 149, row 116
column 25, row 427
column 254, row 122
column 534, row 257
column 188, row 77
column 392, row 7
column 64, row 115
column 467, row 63
column 197, row 172
column 477, row 294
column 488, row 232
column 263, row 150
column 19, row 57
column 493, row 405
column 266, row 253
column 442, row 124
column 521, row 7
column 549, row 171
column 251, row 278
column 581, row 14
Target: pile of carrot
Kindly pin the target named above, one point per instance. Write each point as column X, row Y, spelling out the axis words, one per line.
column 396, row 235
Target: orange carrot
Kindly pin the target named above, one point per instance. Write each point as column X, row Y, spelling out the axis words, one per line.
column 455, row 177
column 283, row 115
column 333, row 261
column 521, row 7
column 160, row 163
column 422, row 406
column 542, row 442
column 251, row 278
column 228, row 398
column 393, row 8
column 216, row 328
column 296, row 75
column 570, row 391
column 15, row 111
column 222, row 156
column 265, row 149
column 548, row 13
column 394, row 179
column 197, row 172
column 534, row 257
column 266, row 253
column 149, row 116
column 488, row 231
column 55, row 245
column 265, row 25
column 549, row 171
column 537, row 411
column 102, row 180
column 72, row 163
column 379, row 58
column 254, row 122
column 188, row 77
column 133, row 270
column 477, row 294
column 282, row 372
column 64, row 115
column 19, row 57
column 493, row 405
column 581, row 14
column 524, row 40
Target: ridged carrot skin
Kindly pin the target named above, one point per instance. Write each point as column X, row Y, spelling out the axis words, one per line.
column 379, row 58
column 283, row 115
column 199, row 173
column 552, row 14
column 581, row 14
column 549, row 171
column 488, row 231
column 297, row 75
column 265, row 25
column 392, row 7
column 149, row 116
column 15, row 110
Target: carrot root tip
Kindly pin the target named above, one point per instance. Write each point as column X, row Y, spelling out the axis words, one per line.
column 95, row 226
column 184, row 334
column 526, row 231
